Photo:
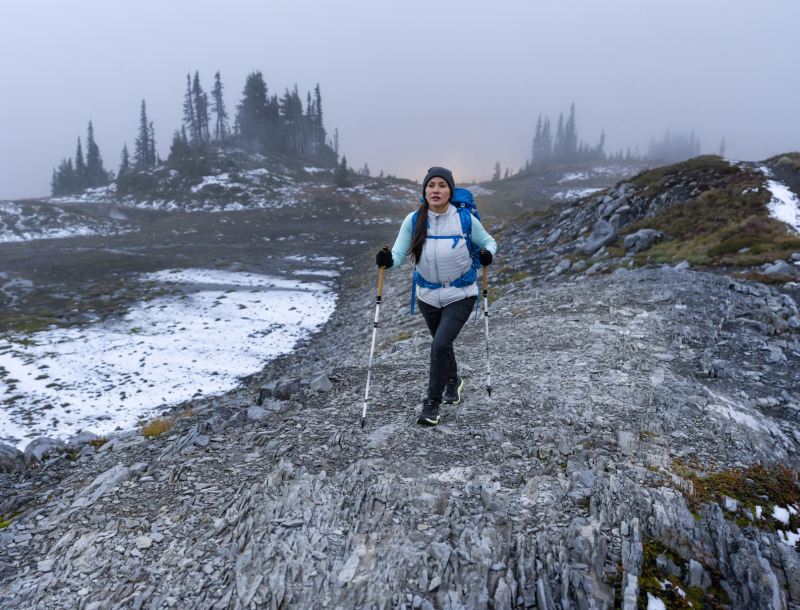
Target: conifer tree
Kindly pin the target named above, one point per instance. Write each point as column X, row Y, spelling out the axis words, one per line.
column 558, row 144
column 221, row 122
column 95, row 172
column 570, row 151
column 64, row 179
column 600, row 153
column 142, row 148
column 189, row 118
column 342, row 175
column 200, row 109
column 536, row 149
column 125, row 162
column 547, row 142
column 318, row 115
column 152, row 155
column 80, row 178
column 252, row 111
column 496, row 174
column 180, row 148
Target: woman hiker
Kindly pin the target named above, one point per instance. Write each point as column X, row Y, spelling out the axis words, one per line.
column 445, row 280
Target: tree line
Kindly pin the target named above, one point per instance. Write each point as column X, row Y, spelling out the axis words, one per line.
column 562, row 146
column 263, row 123
column 71, row 177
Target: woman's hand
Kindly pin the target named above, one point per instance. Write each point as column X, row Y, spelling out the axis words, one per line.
column 384, row 259
column 485, row 257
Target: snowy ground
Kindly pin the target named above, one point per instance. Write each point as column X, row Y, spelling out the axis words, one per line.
column 36, row 220
column 599, row 171
column 109, row 375
column 784, row 206
column 573, row 194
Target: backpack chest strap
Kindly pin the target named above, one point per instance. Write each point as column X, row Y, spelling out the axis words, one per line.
column 455, row 238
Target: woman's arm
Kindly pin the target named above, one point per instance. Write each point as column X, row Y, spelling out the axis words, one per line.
column 403, row 241
column 481, row 237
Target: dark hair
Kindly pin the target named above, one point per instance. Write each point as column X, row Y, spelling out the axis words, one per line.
column 420, row 233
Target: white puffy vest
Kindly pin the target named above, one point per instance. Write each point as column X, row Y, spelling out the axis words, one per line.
column 441, row 262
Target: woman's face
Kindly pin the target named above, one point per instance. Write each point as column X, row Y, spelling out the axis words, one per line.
column 437, row 193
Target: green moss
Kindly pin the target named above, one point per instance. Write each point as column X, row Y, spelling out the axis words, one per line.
column 656, row 179
column 404, row 335
column 651, row 578
column 725, row 225
column 757, row 485
column 5, row 521
column 519, row 275
column 788, row 160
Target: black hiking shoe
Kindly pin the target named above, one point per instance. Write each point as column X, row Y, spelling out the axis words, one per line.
column 430, row 413
column 452, row 391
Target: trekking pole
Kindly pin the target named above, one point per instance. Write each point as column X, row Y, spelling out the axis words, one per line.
column 374, row 333
column 486, row 318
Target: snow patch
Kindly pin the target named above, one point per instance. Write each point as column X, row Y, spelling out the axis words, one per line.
column 107, row 375
column 790, row 538
column 654, row 603
column 784, row 205
column 779, row 513
column 572, row 194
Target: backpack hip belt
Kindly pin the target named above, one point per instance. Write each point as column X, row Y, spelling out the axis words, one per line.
column 467, row 279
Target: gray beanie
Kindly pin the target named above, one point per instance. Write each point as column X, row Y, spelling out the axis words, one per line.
column 439, row 172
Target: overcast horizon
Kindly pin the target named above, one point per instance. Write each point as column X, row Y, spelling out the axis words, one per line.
column 451, row 83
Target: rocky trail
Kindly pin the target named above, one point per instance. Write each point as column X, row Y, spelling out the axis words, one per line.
column 546, row 495
column 640, row 447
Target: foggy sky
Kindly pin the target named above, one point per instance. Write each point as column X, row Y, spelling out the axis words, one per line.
column 409, row 84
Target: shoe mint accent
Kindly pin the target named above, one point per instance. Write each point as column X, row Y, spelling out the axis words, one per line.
column 452, row 391
column 463, row 201
column 430, row 413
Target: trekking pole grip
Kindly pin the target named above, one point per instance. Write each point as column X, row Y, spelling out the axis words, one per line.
column 381, row 276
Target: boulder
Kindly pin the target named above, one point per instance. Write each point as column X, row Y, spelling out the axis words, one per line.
column 779, row 268
column 11, row 459
column 284, row 388
column 320, row 383
column 81, row 438
column 603, row 234
column 256, row 413
column 563, row 266
column 642, row 240
column 42, row 446
column 553, row 237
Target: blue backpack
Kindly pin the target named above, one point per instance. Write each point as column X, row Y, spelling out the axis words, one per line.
column 463, row 201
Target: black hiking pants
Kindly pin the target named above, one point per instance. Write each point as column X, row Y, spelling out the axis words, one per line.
column 444, row 323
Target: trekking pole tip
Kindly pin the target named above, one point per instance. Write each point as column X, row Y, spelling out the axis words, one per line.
column 363, row 421
column 489, row 390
